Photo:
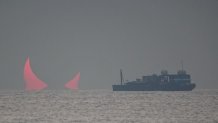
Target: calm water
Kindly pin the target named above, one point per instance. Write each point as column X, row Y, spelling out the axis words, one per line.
column 102, row 106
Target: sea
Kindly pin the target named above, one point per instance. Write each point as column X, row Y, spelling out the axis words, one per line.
column 106, row 106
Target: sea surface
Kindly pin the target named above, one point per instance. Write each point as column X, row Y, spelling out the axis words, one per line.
column 106, row 106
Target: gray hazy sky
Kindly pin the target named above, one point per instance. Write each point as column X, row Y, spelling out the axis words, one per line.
column 98, row 37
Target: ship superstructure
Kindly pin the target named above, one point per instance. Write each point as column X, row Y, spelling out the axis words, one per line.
column 181, row 81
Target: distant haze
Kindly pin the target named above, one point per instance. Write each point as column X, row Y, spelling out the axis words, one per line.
column 98, row 37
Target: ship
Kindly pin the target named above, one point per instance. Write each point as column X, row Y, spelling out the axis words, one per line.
column 181, row 81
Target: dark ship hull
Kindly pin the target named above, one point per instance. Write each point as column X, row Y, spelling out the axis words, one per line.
column 141, row 87
column 164, row 82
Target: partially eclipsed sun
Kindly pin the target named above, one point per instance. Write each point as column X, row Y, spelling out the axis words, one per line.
column 73, row 84
column 33, row 83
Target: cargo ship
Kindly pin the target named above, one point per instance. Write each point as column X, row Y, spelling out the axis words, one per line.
column 181, row 81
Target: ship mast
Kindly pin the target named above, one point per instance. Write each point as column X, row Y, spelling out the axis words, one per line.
column 182, row 64
column 182, row 71
column 121, row 77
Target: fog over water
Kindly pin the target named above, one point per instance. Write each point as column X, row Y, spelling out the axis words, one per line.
column 98, row 37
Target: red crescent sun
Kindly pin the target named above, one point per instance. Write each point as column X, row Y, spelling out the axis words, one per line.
column 32, row 82
column 73, row 84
